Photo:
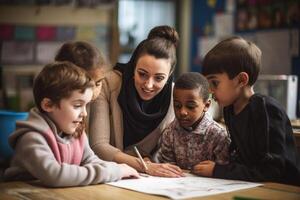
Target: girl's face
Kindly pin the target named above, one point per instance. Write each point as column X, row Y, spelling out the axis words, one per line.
column 70, row 112
column 97, row 74
column 151, row 75
column 189, row 106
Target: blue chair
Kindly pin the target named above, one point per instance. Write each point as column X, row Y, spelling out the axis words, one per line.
column 7, row 126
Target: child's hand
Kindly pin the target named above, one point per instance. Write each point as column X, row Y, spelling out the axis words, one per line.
column 128, row 172
column 163, row 170
column 204, row 168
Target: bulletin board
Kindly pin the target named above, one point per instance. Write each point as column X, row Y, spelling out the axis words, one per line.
column 30, row 37
column 266, row 15
column 36, row 39
column 28, row 44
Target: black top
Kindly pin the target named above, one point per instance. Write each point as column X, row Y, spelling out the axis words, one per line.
column 263, row 147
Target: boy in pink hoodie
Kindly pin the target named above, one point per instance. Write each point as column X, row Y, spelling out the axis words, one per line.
column 51, row 145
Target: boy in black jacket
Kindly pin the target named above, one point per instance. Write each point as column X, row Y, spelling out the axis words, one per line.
column 263, row 146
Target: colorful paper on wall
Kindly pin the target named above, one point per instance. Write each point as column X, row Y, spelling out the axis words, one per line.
column 25, row 33
column 17, row 52
column 205, row 44
column 223, row 23
column 86, row 33
column 46, row 51
column 6, row 32
column 47, row 33
column 65, row 33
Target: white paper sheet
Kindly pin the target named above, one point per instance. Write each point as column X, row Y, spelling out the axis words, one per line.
column 17, row 52
column 46, row 51
column 223, row 23
column 205, row 44
column 181, row 188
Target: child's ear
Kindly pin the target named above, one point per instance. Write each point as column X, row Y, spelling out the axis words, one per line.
column 243, row 79
column 207, row 104
column 47, row 105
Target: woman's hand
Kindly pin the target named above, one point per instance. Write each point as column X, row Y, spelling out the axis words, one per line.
column 163, row 170
column 204, row 168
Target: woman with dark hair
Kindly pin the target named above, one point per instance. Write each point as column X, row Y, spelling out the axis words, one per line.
column 135, row 105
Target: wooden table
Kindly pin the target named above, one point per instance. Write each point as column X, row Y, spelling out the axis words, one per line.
column 23, row 190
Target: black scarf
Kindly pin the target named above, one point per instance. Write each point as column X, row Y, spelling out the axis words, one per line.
column 140, row 117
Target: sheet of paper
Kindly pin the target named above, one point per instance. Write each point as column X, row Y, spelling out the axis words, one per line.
column 205, row 44
column 46, row 51
column 87, row 33
column 223, row 23
column 17, row 52
column 181, row 188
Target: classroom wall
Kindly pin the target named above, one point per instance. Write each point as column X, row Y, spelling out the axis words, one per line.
column 23, row 54
column 213, row 21
column 54, row 15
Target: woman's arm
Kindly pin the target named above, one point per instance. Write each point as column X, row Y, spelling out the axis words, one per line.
column 154, row 169
column 100, row 125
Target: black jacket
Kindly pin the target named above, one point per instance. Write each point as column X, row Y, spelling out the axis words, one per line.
column 267, row 150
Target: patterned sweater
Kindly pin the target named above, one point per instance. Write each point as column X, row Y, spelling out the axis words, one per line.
column 208, row 141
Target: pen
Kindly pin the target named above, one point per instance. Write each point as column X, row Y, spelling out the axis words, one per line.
column 143, row 175
column 140, row 157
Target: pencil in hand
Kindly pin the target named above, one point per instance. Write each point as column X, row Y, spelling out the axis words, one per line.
column 140, row 157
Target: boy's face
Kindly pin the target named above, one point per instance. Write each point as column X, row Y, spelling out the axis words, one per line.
column 71, row 111
column 189, row 106
column 225, row 91
column 97, row 74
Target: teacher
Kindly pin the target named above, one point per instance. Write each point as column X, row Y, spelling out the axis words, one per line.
column 135, row 105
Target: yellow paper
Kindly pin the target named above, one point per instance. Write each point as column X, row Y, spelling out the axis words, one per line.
column 86, row 33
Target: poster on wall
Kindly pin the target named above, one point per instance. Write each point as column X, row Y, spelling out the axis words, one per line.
column 46, row 51
column 17, row 52
column 86, row 33
column 271, row 14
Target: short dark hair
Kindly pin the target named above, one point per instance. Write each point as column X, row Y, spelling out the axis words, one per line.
column 58, row 80
column 193, row 80
column 160, row 43
column 233, row 56
column 82, row 54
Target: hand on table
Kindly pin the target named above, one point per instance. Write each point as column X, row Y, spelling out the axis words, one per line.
column 204, row 168
column 163, row 170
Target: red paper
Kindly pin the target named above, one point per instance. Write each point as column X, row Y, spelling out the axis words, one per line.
column 6, row 32
column 46, row 33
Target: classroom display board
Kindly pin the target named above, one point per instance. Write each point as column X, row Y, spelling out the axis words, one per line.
column 26, row 44
column 30, row 37
column 266, row 14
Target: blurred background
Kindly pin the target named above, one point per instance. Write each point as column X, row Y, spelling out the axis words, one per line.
column 31, row 31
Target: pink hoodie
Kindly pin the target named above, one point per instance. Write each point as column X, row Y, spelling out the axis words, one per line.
column 70, row 153
column 40, row 153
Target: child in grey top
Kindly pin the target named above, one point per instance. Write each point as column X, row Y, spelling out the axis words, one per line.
column 51, row 145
